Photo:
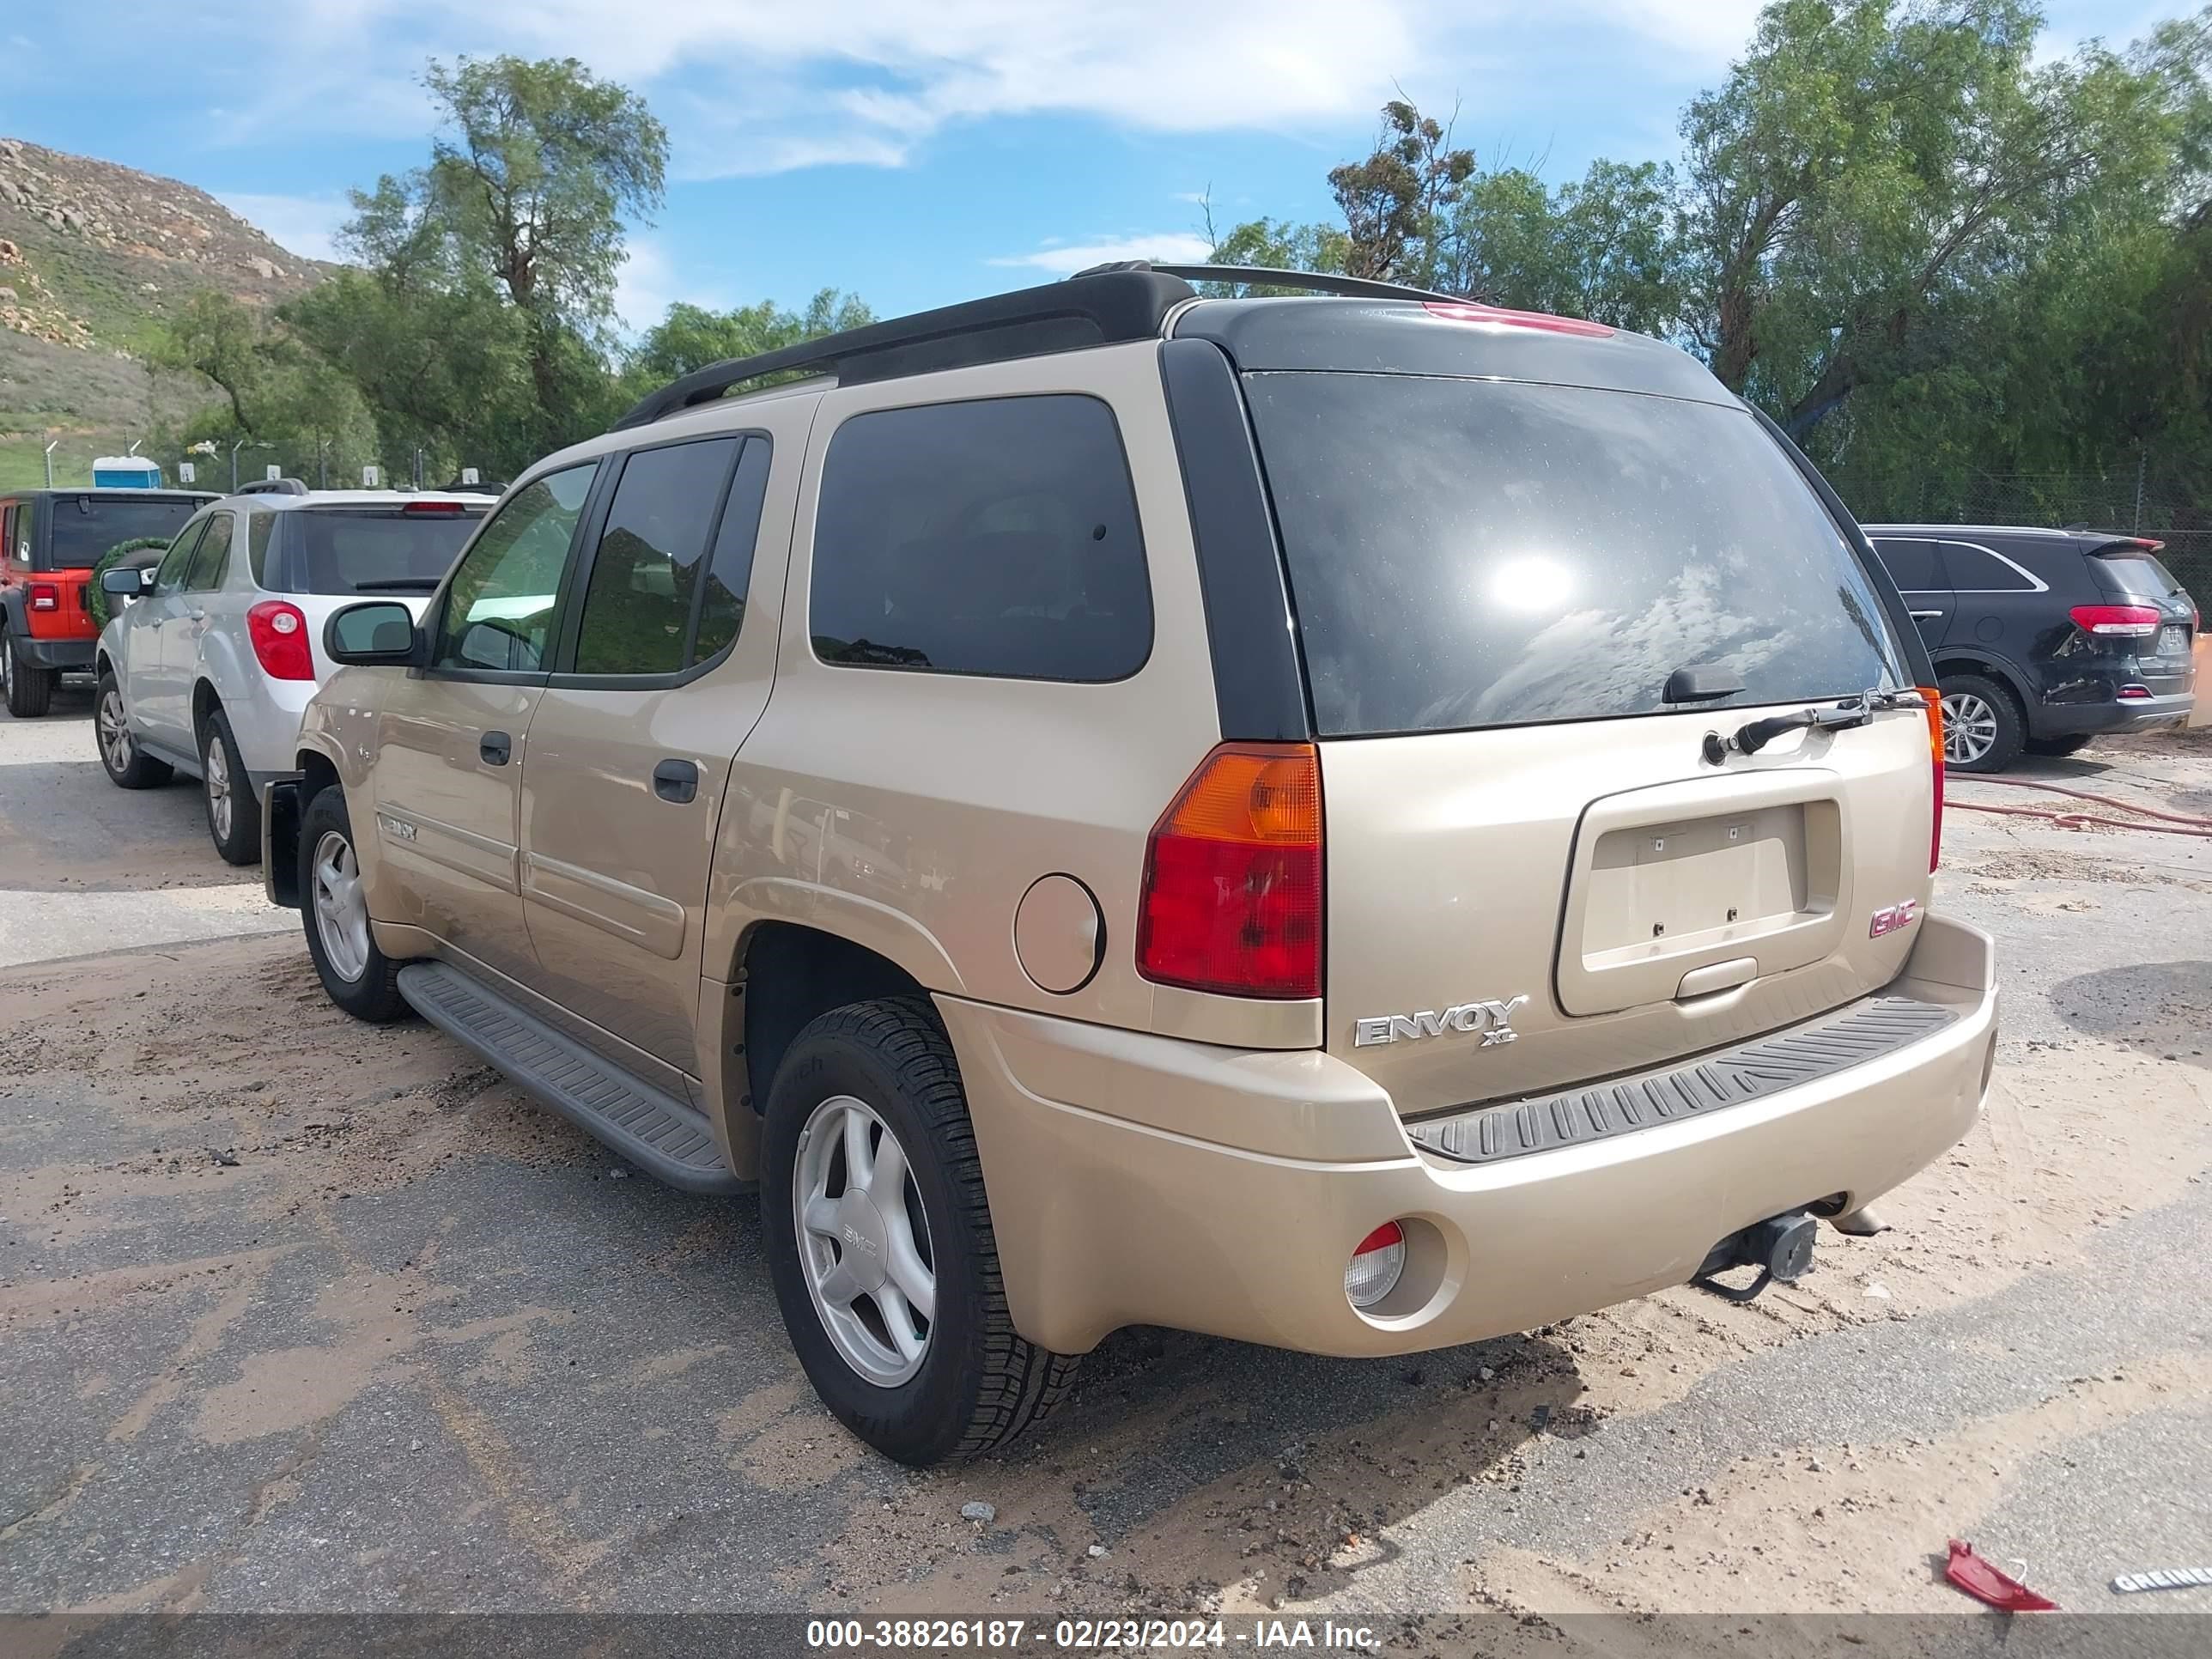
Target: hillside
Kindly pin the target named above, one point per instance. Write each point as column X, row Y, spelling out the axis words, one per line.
column 92, row 255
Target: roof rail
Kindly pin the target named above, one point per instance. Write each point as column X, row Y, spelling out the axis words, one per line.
column 1089, row 309
column 1315, row 282
column 272, row 487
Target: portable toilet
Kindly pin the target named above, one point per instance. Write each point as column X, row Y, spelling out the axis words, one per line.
column 125, row 472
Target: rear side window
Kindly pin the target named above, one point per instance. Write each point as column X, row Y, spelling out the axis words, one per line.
column 346, row 550
column 1469, row 553
column 996, row 538
column 86, row 526
column 730, row 571
column 1917, row 567
column 1976, row 569
column 638, row 603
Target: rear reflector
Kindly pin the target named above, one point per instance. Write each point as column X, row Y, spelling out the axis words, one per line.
column 1469, row 311
column 2135, row 692
column 2128, row 621
column 279, row 633
column 1933, row 700
column 1376, row 1265
column 1232, row 900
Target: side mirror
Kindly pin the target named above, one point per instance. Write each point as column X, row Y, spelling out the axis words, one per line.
column 376, row 632
column 125, row 580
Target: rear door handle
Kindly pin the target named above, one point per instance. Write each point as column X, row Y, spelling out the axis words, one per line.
column 1926, row 615
column 495, row 747
column 676, row 780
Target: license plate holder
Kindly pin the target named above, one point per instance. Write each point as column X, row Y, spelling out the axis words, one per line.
column 2172, row 640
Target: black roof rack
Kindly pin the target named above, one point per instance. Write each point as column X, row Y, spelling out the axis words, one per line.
column 1315, row 282
column 1089, row 309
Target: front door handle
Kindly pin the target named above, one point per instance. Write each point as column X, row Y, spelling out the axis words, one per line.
column 494, row 748
column 677, row 781
column 1926, row 615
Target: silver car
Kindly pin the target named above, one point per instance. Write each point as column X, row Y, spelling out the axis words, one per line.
column 213, row 654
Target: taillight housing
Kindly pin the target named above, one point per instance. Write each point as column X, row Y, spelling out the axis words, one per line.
column 1933, row 699
column 2117, row 621
column 1233, row 894
column 43, row 596
column 279, row 633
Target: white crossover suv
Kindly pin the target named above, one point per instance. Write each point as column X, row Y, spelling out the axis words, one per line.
column 214, row 652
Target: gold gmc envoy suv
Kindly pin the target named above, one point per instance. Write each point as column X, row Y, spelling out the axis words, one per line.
column 1360, row 822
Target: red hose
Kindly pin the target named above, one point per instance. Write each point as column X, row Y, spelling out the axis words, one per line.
column 2195, row 824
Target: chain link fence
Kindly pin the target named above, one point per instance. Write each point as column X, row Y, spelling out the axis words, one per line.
column 2141, row 501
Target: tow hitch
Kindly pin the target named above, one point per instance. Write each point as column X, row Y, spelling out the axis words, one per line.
column 1780, row 1247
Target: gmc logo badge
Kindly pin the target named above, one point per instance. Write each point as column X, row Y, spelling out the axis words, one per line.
column 1897, row 916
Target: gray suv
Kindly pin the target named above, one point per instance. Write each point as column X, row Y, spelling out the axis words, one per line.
column 1358, row 823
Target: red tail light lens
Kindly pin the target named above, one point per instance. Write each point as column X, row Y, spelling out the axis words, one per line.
column 279, row 633
column 2125, row 621
column 433, row 510
column 1233, row 877
column 44, row 596
column 1933, row 700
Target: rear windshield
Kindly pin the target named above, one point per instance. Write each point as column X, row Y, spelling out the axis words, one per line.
column 1469, row 553
column 375, row 551
column 86, row 526
column 2134, row 570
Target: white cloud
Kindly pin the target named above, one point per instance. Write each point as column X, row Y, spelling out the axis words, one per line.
column 650, row 282
column 305, row 225
column 1167, row 246
column 763, row 85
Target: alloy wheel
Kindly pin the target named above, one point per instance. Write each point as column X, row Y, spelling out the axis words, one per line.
column 1970, row 728
column 114, row 733
column 217, row 772
column 341, row 907
column 864, row 1241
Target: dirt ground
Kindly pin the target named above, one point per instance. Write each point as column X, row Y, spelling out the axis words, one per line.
column 299, row 1314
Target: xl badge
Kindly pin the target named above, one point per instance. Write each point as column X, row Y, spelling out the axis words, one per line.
column 1493, row 1019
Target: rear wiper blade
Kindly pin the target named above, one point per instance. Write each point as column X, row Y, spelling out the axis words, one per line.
column 1755, row 735
column 400, row 584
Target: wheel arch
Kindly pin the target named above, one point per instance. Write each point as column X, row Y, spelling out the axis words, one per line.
column 783, row 974
column 1954, row 659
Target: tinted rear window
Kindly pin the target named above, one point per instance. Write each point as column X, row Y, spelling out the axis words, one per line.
column 1468, row 553
column 2133, row 570
column 376, row 551
column 86, row 526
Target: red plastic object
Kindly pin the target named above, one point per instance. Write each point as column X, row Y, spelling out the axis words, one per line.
column 1975, row 1575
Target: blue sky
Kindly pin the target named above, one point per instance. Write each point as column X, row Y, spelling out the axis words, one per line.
column 912, row 151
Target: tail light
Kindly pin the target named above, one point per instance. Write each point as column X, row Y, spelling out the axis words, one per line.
column 43, row 596
column 279, row 633
column 2122, row 621
column 1376, row 1265
column 1934, row 700
column 432, row 510
column 1232, row 892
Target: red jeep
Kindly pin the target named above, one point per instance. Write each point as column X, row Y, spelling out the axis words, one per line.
column 51, row 539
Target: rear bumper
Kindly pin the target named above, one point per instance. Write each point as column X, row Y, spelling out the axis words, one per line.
column 71, row 654
column 2121, row 715
column 1136, row 1179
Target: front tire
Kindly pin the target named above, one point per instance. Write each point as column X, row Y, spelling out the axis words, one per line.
column 127, row 766
column 357, row 976
column 879, row 1240
column 28, row 687
column 1982, row 726
column 232, row 812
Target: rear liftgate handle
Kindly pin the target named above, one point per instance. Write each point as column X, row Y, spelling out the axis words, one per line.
column 676, row 780
column 495, row 747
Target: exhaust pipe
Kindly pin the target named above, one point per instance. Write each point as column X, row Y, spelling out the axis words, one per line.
column 1780, row 1247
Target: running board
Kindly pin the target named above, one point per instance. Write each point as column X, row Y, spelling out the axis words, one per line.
column 663, row 1136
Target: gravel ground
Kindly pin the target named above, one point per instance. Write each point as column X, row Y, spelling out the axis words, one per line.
column 299, row 1314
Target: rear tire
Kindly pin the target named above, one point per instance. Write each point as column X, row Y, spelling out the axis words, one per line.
column 976, row 1382
column 357, row 976
column 234, row 813
column 1982, row 726
column 127, row 765
column 2072, row 744
column 29, row 688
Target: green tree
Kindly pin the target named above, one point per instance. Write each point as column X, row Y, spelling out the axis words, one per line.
column 692, row 336
column 1397, row 202
column 1605, row 247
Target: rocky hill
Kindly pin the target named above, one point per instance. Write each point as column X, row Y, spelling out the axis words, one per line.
column 92, row 256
